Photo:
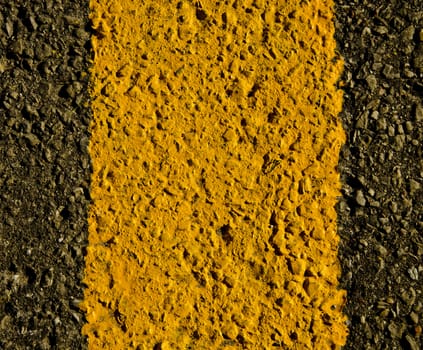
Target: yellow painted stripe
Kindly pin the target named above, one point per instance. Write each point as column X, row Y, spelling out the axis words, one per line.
column 214, row 144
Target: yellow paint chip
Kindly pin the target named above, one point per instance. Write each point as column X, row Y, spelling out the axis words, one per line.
column 215, row 141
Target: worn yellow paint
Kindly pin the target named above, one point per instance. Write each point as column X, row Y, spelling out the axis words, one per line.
column 215, row 141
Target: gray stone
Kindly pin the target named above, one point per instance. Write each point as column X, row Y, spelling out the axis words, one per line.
column 412, row 342
column 360, row 199
column 419, row 113
column 371, row 82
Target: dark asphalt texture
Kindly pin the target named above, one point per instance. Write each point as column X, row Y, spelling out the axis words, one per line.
column 380, row 214
column 44, row 171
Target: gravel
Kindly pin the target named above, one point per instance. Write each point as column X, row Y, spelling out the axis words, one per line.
column 380, row 214
column 44, row 172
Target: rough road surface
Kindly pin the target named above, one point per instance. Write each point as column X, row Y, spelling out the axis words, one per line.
column 215, row 142
column 45, row 112
column 44, row 172
column 382, row 168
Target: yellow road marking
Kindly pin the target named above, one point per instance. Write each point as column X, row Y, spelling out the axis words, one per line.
column 214, row 144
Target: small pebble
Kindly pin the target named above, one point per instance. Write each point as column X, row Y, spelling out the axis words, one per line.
column 360, row 199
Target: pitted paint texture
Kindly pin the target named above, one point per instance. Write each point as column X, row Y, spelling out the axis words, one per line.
column 215, row 142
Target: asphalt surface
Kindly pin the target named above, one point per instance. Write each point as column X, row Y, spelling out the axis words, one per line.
column 45, row 172
column 380, row 214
